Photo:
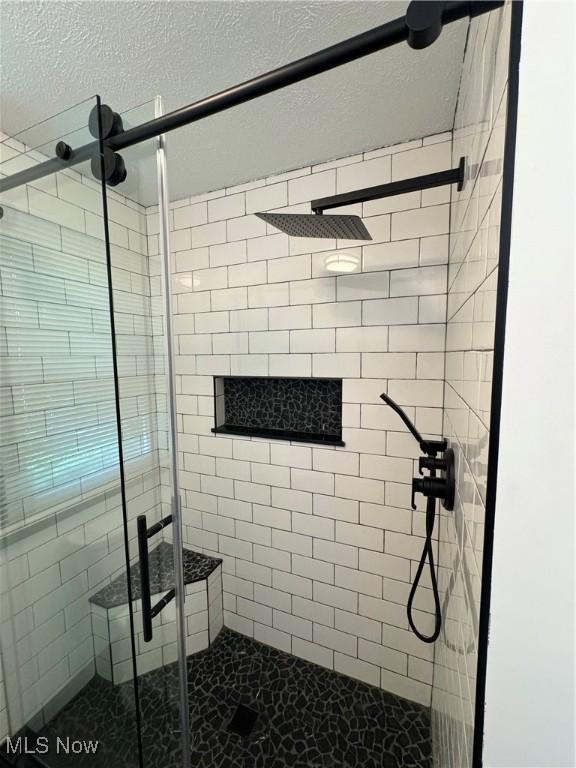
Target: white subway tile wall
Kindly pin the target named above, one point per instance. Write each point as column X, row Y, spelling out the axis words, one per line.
column 473, row 266
column 319, row 544
column 62, row 530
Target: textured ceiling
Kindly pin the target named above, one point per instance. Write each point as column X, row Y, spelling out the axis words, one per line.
column 54, row 54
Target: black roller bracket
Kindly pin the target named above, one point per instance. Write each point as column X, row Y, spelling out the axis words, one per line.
column 63, row 150
column 105, row 123
column 424, row 22
column 1, row 212
column 114, row 168
column 422, row 27
column 110, row 121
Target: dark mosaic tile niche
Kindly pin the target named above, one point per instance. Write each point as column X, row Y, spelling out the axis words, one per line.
column 306, row 410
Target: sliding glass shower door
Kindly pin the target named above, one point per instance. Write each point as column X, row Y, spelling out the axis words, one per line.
column 144, row 375
column 62, row 527
column 84, row 453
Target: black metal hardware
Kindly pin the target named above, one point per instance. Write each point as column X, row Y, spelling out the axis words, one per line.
column 148, row 610
column 438, row 458
column 142, row 530
column 161, row 604
column 108, row 123
column 157, row 527
column 430, row 447
column 340, row 226
column 1, row 212
column 443, row 487
column 354, row 48
column 48, row 167
column 424, row 19
column 439, row 488
column 112, row 165
column 63, row 150
column 430, row 463
column 415, row 184
column 351, row 227
column 120, row 445
column 105, row 123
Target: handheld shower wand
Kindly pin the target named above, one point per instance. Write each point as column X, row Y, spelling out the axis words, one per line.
column 433, row 487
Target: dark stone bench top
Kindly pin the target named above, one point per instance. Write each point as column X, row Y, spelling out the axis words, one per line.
column 196, row 567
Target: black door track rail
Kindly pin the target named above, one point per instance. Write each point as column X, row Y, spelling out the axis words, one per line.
column 420, row 27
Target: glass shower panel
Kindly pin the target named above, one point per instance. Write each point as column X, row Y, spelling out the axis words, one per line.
column 61, row 516
column 136, row 249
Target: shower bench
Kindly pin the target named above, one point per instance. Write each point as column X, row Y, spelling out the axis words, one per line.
column 111, row 620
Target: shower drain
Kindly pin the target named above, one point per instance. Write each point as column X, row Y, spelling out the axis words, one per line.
column 243, row 721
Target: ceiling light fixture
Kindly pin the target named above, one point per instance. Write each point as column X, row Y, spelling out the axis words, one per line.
column 342, row 262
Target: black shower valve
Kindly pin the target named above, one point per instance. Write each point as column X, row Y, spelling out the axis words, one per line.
column 443, row 487
column 428, row 486
column 431, row 463
column 433, row 447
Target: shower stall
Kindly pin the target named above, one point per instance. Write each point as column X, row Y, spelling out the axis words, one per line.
column 211, row 518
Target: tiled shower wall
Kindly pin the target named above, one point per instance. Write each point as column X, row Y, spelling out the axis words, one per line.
column 62, row 533
column 319, row 544
column 473, row 272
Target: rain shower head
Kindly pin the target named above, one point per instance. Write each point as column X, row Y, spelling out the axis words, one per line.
column 318, row 225
column 347, row 227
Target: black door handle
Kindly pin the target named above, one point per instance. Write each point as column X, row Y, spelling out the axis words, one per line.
column 142, row 528
column 149, row 611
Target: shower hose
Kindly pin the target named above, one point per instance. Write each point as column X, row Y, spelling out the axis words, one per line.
column 427, row 555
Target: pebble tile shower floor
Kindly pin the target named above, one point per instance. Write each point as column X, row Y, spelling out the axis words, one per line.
column 307, row 716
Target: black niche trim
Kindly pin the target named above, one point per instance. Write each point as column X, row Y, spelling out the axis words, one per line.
column 305, row 410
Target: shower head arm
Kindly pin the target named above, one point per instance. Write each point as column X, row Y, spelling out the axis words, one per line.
column 401, row 187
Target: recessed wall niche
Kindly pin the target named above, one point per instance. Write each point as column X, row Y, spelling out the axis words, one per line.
column 306, row 410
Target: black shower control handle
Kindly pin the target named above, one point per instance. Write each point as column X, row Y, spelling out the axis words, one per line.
column 443, row 487
column 431, row 463
column 428, row 486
